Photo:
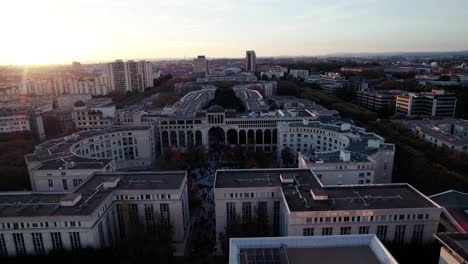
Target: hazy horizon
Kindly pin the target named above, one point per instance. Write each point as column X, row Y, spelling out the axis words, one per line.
column 58, row 32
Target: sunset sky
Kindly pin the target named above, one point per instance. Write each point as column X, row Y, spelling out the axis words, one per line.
column 61, row 31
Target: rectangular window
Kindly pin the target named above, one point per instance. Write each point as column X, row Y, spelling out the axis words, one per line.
column 65, row 184
column 276, row 218
column 20, row 247
column 346, row 230
column 149, row 216
column 246, row 212
column 120, row 217
column 56, row 238
column 327, row 231
column 363, row 230
column 382, row 232
column 109, row 228
column 418, row 231
column 3, row 249
column 75, row 240
column 77, row 182
column 51, row 183
column 308, row 231
column 101, row 235
column 165, row 215
column 262, row 211
column 133, row 213
column 38, row 243
column 230, row 212
column 399, row 234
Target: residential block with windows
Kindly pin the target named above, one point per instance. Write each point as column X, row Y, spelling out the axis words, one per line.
column 450, row 133
column 98, row 214
column 435, row 103
column 298, row 204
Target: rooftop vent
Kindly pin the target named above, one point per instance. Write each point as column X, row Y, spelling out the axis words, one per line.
column 71, row 199
column 318, row 195
column 111, row 182
column 69, row 165
column 373, row 143
column 286, row 178
column 345, row 156
column 345, row 127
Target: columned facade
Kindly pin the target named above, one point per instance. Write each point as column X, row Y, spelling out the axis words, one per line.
column 219, row 129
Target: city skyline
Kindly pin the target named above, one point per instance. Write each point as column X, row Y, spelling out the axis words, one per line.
column 57, row 32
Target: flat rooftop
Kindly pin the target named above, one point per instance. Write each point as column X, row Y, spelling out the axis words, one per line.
column 456, row 242
column 299, row 255
column 252, row 178
column 365, row 249
column 444, row 129
column 456, row 204
column 334, row 157
column 93, row 192
column 303, row 182
column 79, row 163
column 60, row 147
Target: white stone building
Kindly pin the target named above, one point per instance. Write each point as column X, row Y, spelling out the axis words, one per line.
column 22, row 119
column 130, row 76
column 324, row 249
column 451, row 133
column 64, row 163
column 297, row 204
column 339, row 154
column 298, row 73
column 95, row 113
column 101, row 211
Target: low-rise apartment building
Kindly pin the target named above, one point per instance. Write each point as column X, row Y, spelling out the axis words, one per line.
column 435, row 103
column 93, row 114
column 376, row 99
column 22, row 119
column 451, row 133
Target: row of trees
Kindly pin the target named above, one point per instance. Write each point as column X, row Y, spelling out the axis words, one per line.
column 165, row 98
column 13, row 147
column 236, row 156
column 226, row 98
column 432, row 169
